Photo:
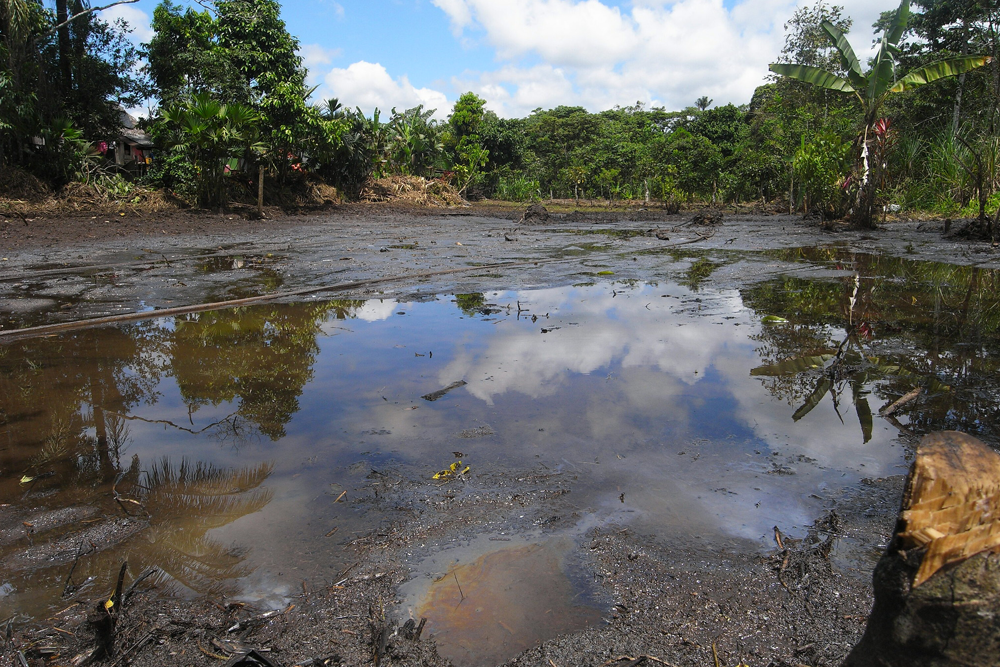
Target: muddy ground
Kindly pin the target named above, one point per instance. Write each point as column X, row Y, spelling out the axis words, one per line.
column 800, row 602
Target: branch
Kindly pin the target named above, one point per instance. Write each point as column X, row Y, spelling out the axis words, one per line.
column 54, row 29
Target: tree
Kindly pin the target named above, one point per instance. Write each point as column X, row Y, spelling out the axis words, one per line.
column 702, row 103
column 213, row 136
column 872, row 89
column 467, row 115
column 184, row 57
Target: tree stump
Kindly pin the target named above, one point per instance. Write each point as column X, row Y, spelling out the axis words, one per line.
column 937, row 587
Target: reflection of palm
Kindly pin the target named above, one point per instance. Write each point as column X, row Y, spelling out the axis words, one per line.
column 187, row 501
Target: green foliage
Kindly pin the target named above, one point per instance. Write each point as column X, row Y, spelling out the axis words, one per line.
column 61, row 157
column 872, row 89
column 820, row 167
column 516, row 187
column 79, row 77
column 183, row 55
column 213, row 136
column 467, row 115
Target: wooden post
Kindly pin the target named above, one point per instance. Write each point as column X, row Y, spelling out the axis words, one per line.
column 260, row 191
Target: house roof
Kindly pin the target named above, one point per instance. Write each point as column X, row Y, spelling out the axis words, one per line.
column 130, row 134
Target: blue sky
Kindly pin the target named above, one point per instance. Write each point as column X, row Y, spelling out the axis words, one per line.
column 524, row 54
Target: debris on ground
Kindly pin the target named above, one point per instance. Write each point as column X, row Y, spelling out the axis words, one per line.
column 708, row 217
column 534, row 214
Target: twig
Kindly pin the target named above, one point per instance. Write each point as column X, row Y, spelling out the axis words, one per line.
column 454, row 574
column 145, row 575
column 903, row 400
column 335, row 528
column 339, row 497
column 131, row 649
column 69, row 577
column 210, row 654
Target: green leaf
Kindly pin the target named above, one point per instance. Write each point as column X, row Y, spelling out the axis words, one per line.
column 815, row 397
column 814, row 75
column 864, row 410
column 882, row 74
column 939, row 70
column 898, row 25
column 773, row 319
column 847, row 57
column 792, row 366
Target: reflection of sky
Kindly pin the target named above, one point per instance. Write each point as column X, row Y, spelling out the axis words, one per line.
column 642, row 391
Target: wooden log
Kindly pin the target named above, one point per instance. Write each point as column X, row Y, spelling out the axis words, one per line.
column 937, row 587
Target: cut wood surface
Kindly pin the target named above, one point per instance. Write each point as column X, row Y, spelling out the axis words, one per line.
column 951, row 502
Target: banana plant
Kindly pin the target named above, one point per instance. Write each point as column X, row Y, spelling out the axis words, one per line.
column 873, row 88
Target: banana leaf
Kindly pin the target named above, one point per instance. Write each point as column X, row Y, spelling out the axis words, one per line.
column 847, row 57
column 817, row 76
column 938, row 70
column 864, row 410
column 815, row 397
column 793, row 366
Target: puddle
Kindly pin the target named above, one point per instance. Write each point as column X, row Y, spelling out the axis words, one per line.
column 240, row 442
column 481, row 610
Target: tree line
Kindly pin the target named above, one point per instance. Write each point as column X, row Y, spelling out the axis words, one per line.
column 822, row 133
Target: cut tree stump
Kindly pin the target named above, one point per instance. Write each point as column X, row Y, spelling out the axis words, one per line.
column 937, row 587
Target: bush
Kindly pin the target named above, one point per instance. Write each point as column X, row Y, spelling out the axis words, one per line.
column 516, row 188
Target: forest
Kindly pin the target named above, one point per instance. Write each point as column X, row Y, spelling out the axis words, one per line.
column 824, row 134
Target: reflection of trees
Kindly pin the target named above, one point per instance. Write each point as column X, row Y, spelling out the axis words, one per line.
column 902, row 324
column 175, row 508
column 261, row 357
column 65, row 413
column 474, row 303
column 55, row 415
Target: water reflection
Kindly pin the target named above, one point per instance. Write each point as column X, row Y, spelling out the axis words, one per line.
column 495, row 606
column 670, row 407
column 898, row 325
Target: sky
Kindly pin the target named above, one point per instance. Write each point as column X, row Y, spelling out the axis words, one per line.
column 520, row 55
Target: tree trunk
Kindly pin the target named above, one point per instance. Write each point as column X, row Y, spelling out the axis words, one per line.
column 957, row 112
column 937, row 587
column 65, row 64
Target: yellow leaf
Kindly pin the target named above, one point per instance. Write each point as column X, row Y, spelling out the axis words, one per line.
column 914, row 300
column 26, row 478
column 109, row 604
column 467, row 469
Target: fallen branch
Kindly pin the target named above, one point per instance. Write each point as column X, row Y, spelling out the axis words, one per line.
column 903, row 400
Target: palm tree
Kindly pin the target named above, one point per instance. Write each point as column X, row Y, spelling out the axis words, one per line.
column 215, row 136
column 872, row 89
column 703, row 102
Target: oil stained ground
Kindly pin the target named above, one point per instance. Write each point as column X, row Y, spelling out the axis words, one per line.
column 232, row 449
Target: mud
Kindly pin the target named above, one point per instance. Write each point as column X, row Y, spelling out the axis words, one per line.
column 792, row 602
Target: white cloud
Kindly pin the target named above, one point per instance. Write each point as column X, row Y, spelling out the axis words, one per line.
column 137, row 19
column 314, row 55
column 589, row 53
column 338, row 9
column 369, row 85
column 316, row 58
column 658, row 52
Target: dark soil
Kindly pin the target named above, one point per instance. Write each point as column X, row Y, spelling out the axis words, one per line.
column 677, row 603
